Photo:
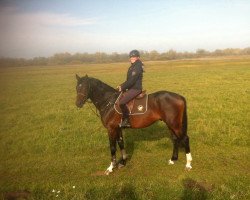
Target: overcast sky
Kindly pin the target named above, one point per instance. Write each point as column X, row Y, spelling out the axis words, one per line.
column 30, row 28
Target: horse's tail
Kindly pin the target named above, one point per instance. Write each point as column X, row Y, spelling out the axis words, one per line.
column 184, row 119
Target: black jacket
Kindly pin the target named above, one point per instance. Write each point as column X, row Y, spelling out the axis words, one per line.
column 134, row 77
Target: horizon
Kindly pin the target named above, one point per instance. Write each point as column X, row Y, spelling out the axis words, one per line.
column 41, row 29
column 234, row 51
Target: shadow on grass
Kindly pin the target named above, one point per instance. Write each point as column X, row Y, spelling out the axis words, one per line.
column 125, row 191
column 195, row 190
column 25, row 194
column 154, row 132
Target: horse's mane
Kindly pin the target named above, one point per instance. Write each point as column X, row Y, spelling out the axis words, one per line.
column 102, row 85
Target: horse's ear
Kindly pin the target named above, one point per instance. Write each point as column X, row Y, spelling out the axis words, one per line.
column 77, row 77
column 86, row 75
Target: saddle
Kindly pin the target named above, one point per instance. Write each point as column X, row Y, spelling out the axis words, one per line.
column 136, row 106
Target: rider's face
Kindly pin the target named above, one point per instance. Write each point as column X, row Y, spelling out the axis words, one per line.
column 133, row 59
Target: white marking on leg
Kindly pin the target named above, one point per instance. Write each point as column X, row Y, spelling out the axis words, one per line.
column 170, row 162
column 110, row 169
column 124, row 155
column 189, row 160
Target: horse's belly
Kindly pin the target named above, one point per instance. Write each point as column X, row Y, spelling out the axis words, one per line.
column 142, row 121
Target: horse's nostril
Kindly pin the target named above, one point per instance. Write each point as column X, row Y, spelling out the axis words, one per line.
column 79, row 104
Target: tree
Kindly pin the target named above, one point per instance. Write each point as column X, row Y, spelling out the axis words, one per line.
column 202, row 52
column 154, row 55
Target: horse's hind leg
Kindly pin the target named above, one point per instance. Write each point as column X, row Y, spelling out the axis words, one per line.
column 176, row 141
column 187, row 150
column 177, row 123
column 174, row 157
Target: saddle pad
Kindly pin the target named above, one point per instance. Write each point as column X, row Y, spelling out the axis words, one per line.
column 135, row 106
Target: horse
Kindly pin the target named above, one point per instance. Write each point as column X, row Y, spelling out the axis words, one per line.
column 166, row 106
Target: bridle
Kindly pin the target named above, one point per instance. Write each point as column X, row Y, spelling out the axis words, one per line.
column 85, row 96
column 107, row 102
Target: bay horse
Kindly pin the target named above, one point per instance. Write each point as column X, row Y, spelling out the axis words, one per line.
column 166, row 106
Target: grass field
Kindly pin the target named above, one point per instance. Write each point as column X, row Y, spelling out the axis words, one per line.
column 48, row 144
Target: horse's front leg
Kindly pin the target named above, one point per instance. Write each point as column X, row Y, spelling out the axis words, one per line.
column 120, row 141
column 112, row 142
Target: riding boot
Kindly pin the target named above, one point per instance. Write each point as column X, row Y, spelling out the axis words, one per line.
column 125, row 117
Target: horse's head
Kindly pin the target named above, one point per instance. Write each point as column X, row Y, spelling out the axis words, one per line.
column 82, row 90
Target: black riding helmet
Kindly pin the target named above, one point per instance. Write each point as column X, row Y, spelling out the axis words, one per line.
column 134, row 53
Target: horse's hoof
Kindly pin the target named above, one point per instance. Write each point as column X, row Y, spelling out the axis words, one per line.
column 188, row 167
column 110, row 169
column 120, row 166
column 121, row 163
column 170, row 162
column 107, row 172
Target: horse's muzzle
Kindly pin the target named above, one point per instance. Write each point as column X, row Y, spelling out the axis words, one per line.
column 79, row 104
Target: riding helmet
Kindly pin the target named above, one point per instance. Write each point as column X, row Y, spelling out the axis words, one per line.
column 134, row 53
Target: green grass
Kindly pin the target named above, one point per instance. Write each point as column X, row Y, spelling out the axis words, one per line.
column 47, row 143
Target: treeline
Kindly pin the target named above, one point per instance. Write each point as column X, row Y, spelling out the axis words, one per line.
column 100, row 57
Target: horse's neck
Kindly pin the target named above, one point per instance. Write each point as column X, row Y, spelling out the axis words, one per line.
column 101, row 96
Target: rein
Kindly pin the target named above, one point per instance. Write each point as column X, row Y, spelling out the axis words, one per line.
column 107, row 102
column 95, row 112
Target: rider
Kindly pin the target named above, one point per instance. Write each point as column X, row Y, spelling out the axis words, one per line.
column 131, row 87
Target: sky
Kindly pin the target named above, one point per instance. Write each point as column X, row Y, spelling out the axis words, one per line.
column 34, row 28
